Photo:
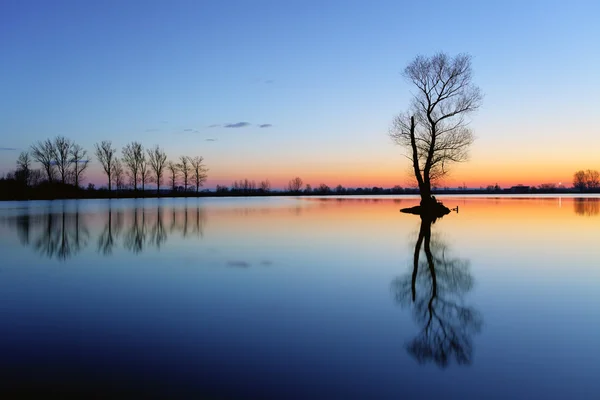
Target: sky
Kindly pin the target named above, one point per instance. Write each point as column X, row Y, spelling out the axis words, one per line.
column 278, row 89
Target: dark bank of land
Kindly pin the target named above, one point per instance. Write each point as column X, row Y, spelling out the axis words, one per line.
column 14, row 190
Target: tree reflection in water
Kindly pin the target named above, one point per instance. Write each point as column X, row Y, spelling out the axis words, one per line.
column 61, row 235
column 435, row 289
column 54, row 235
column 111, row 232
column 587, row 207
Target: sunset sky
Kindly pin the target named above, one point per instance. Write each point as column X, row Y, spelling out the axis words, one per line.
column 278, row 89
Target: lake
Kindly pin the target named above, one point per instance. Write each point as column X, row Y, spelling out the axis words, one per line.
column 281, row 297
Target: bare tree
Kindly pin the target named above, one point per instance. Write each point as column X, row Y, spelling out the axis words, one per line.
column 295, row 185
column 23, row 172
column 62, row 157
column 105, row 153
column 186, row 169
column 592, row 178
column 199, row 171
column 133, row 153
column 435, row 130
column 173, row 169
column 144, row 171
column 118, row 174
column 157, row 159
column 579, row 180
column 80, row 162
column 265, row 186
column 43, row 152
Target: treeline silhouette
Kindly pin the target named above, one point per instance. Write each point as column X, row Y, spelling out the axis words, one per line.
column 65, row 233
column 588, row 180
column 62, row 165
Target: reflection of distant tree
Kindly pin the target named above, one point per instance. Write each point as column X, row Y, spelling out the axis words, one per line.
column 62, row 235
column 111, row 231
column 135, row 236
column 434, row 290
column 588, row 207
column 158, row 233
column 57, row 235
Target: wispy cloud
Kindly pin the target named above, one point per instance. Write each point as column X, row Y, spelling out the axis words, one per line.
column 237, row 125
column 265, row 125
column 7, row 149
column 214, row 125
column 238, row 264
column 188, row 130
column 152, row 130
column 269, row 81
column 164, row 121
column 210, row 140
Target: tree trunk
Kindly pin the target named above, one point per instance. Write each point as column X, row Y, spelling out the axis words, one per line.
column 423, row 181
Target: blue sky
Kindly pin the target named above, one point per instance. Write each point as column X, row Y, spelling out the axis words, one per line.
column 325, row 75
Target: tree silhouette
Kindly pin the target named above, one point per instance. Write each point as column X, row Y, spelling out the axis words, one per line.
column 133, row 153
column 435, row 130
column 173, row 169
column 106, row 154
column 23, row 172
column 157, row 160
column 185, row 168
column 434, row 290
column 62, row 157
column 118, row 174
column 80, row 162
column 294, row 185
column 199, row 171
column 43, row 152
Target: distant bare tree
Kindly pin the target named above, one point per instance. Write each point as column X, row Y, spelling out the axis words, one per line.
column 23, row 172
column 294, row 185
column 43, row 152
column 118, row 173
column 199, row 171
column 62, row 157
column 323, row 188
column 173, row 170
column 186, row 169
column 144, row 171
column 133, row 153
column 435, row 130
column 265, row 186
column 579, row 180
column 157, row 159
column 592, row 178
column 80, row 162
column 105, row 153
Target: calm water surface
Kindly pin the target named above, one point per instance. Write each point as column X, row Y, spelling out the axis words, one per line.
column 301, row 298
